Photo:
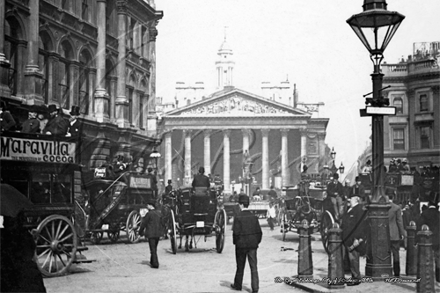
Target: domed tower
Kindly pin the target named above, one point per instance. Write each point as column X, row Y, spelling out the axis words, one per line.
column 224, row 65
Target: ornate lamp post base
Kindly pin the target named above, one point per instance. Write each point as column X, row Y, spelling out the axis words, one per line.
column 378, row 247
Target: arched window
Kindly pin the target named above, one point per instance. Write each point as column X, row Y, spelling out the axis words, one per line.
column 424, row 104
column 64, row 78
column 45, row 46
column 12, row 36
column 398, row 103
column 84, row 82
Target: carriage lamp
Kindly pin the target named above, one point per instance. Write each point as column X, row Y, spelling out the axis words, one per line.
column 155, row 155
column 333, row 153
column 375, row 27
column 341, row 169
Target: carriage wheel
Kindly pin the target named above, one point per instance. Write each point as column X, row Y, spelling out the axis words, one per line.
column 56, row 244
column 327, row 222
column 220, row 225
column 132, row 226
column 285, row 226
column 96, row 237
column 172, row 232
column 113, row 236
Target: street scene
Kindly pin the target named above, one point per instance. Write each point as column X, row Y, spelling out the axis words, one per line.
column 221, row 146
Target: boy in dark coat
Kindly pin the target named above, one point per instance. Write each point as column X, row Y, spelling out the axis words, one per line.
column 247, row 236
column 32, row 124
column 151, row 224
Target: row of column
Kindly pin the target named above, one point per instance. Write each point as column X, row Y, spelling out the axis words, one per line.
column 226, row 155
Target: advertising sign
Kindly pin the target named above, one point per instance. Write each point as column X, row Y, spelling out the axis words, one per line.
column 37, row 150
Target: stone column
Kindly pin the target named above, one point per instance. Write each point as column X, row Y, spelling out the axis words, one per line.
column 284, row 157
column 246, row 135
column 4, row 63
column 226, row 162
column 188, row 176
column 73, row 86
column 33, row 77
column 100, row 95
column 121, row 103
column 303, row 147
column 207, row 151
column 265, row 159
column 152, row 116
column 168, row 156
column 321, row 145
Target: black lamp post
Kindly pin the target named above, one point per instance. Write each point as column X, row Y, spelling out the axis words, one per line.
column 375, row 27
column 334, row 169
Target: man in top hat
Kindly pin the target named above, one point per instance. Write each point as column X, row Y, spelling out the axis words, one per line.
column 74, row 124
column 354, row 229
column 246, row 237
column 153, row 180
column 358, row 189
column 7, row 122
column 151, row 224
column 56, row 125
column 169, row 187
column 335, row 190
column 325, row 175
column 32, row 124
column 200, row 180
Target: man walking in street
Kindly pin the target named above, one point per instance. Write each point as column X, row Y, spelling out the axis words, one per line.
column 246, row 235
column 354, row 229
column 152, row 226
column 397, row 233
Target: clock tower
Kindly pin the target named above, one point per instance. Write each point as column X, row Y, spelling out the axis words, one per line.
column 224, row 65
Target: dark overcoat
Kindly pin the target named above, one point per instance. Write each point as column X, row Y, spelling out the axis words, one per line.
column 246, row 230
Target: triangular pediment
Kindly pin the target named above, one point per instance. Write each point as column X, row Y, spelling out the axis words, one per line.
column 236, row 102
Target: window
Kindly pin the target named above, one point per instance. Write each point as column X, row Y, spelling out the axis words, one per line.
column 398, row 103
column 12, row 36
column 84, row 82
column 424, row 103
column 141, row 110
column 399, row 139
column 425, row 137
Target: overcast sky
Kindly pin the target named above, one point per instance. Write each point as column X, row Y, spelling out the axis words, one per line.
column 308, row 42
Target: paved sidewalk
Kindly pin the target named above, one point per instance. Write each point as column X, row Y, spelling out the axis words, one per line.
column 318, row 283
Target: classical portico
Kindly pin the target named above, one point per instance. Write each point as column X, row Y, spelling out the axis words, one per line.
column 217, row 131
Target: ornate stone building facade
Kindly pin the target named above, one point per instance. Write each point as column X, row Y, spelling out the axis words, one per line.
column 237, row 135
column 414, row 132
column 95, row 54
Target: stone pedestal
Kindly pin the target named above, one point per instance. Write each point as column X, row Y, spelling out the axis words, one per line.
column 305, row 264
column 335, row 260
column 425, row 266
column 411, row 250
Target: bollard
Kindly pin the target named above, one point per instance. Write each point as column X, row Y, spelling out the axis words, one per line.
column 411, row 250
column 305, row 265
column 425, row 266
column 335, row 261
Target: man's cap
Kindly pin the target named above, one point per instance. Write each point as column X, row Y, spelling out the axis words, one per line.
column 243, row 199
column 151, row 202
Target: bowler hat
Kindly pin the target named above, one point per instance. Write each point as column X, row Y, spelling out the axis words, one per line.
column 52, row 108
column 170, row 181
column 243, row 199
column 336, row 176
column 74, row 111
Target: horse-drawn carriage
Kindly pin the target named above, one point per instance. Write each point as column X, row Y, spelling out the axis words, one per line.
column 42, row 169
column 299, row 205
column 116, row 204
column 198, row 214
